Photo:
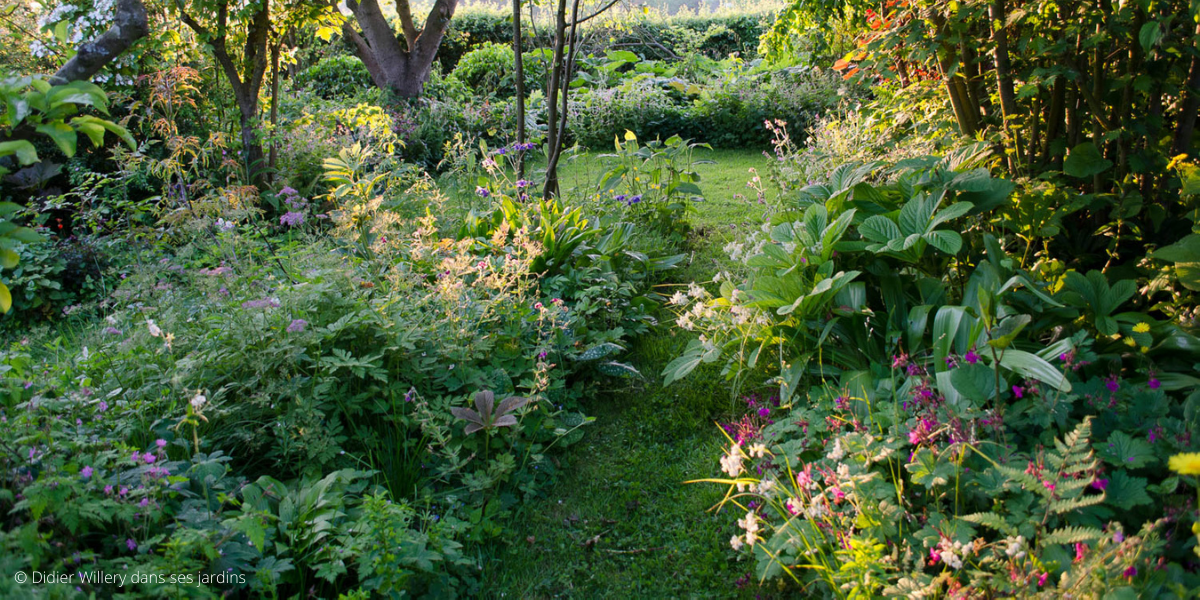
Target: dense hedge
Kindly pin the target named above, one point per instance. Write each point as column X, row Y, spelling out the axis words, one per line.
column 651, row 38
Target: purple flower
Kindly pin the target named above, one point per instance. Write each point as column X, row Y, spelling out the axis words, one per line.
column 971, row 357
column 86, row 472
column 108, row 490
column 264, row 303
column 764, row 412
column 482, row 192
column 149, row 458
column 161, row 443
column 137, row 456
column 1100, row 484
column 292, row 219
column 1154, row 383
column 144, row 503
column 521, row 184
column 297, row 326
column 288, row 191
column 1112, row 383
column 112, row 331
column 102, row 406
column 1131, row 572
column 132, row 545
column 1018, row 392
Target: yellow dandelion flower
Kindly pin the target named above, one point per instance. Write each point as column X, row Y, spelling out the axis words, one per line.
column 1145, row 349
column 1141, row 328
column 1130, row 342
column 1187, row 463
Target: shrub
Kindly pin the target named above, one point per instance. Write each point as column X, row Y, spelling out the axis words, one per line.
column 338, row 76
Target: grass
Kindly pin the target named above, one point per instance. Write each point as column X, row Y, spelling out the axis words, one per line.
column 620, row 522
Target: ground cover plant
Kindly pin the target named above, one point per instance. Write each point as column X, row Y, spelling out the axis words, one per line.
column 596, row 299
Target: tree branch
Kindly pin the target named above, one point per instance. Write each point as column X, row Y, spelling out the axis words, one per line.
column 598, row 12
column 406, row 23
column 129, row 26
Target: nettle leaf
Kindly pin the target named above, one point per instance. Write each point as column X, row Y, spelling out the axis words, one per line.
column 1084, row 161
column 1124, row 450
column 1126, row 492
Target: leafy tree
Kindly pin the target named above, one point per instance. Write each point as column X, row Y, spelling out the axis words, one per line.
column 243, row 44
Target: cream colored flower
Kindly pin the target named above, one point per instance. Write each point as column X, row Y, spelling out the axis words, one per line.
column 731, row 463
column 735, row 542
column 154, row 329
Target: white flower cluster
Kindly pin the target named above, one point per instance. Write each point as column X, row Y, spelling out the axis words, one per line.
column 953, row 553
column 750, row 524
column 1016, row 547
column 731, row 463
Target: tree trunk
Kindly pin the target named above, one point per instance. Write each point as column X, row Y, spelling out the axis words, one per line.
column 401, row 65
column 274, row 107
column 556, row 76
column 246, row 85
column 129, row 26
column 1191, row 105
column 519, row 73
column 1008, row 98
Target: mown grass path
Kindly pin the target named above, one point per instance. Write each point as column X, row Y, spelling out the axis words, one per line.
column 620, row 522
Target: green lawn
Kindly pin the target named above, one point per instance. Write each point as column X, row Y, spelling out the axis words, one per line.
column 620, row 522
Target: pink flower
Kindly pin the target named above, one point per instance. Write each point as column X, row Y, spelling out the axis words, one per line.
column 971, row 357
column 161, row 443
column 1154, row 383
column 1100, row 484
column 1112, row 383
column 149, row 458
column 1080, row 550
column 137, row 456
column 108, row 490
column 1131, row 572
column 297, row 326
column 1048, row 485
column 85, row 472
column 1042, row 579
column 1018, row 392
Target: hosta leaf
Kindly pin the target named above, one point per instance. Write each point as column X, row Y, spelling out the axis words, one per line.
column 1031, row 366
column 1124, row 450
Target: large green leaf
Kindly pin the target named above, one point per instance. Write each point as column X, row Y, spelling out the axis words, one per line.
column 1084, row 161
column 1124, row 450
column 62, row 134
column 1186, row 250
column 1033, row 367
column 26, row 153
column 945, row 240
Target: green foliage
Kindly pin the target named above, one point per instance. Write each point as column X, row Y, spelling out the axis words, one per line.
column 338, row 76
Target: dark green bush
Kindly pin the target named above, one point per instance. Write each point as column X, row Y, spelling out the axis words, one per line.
column 336, row 76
